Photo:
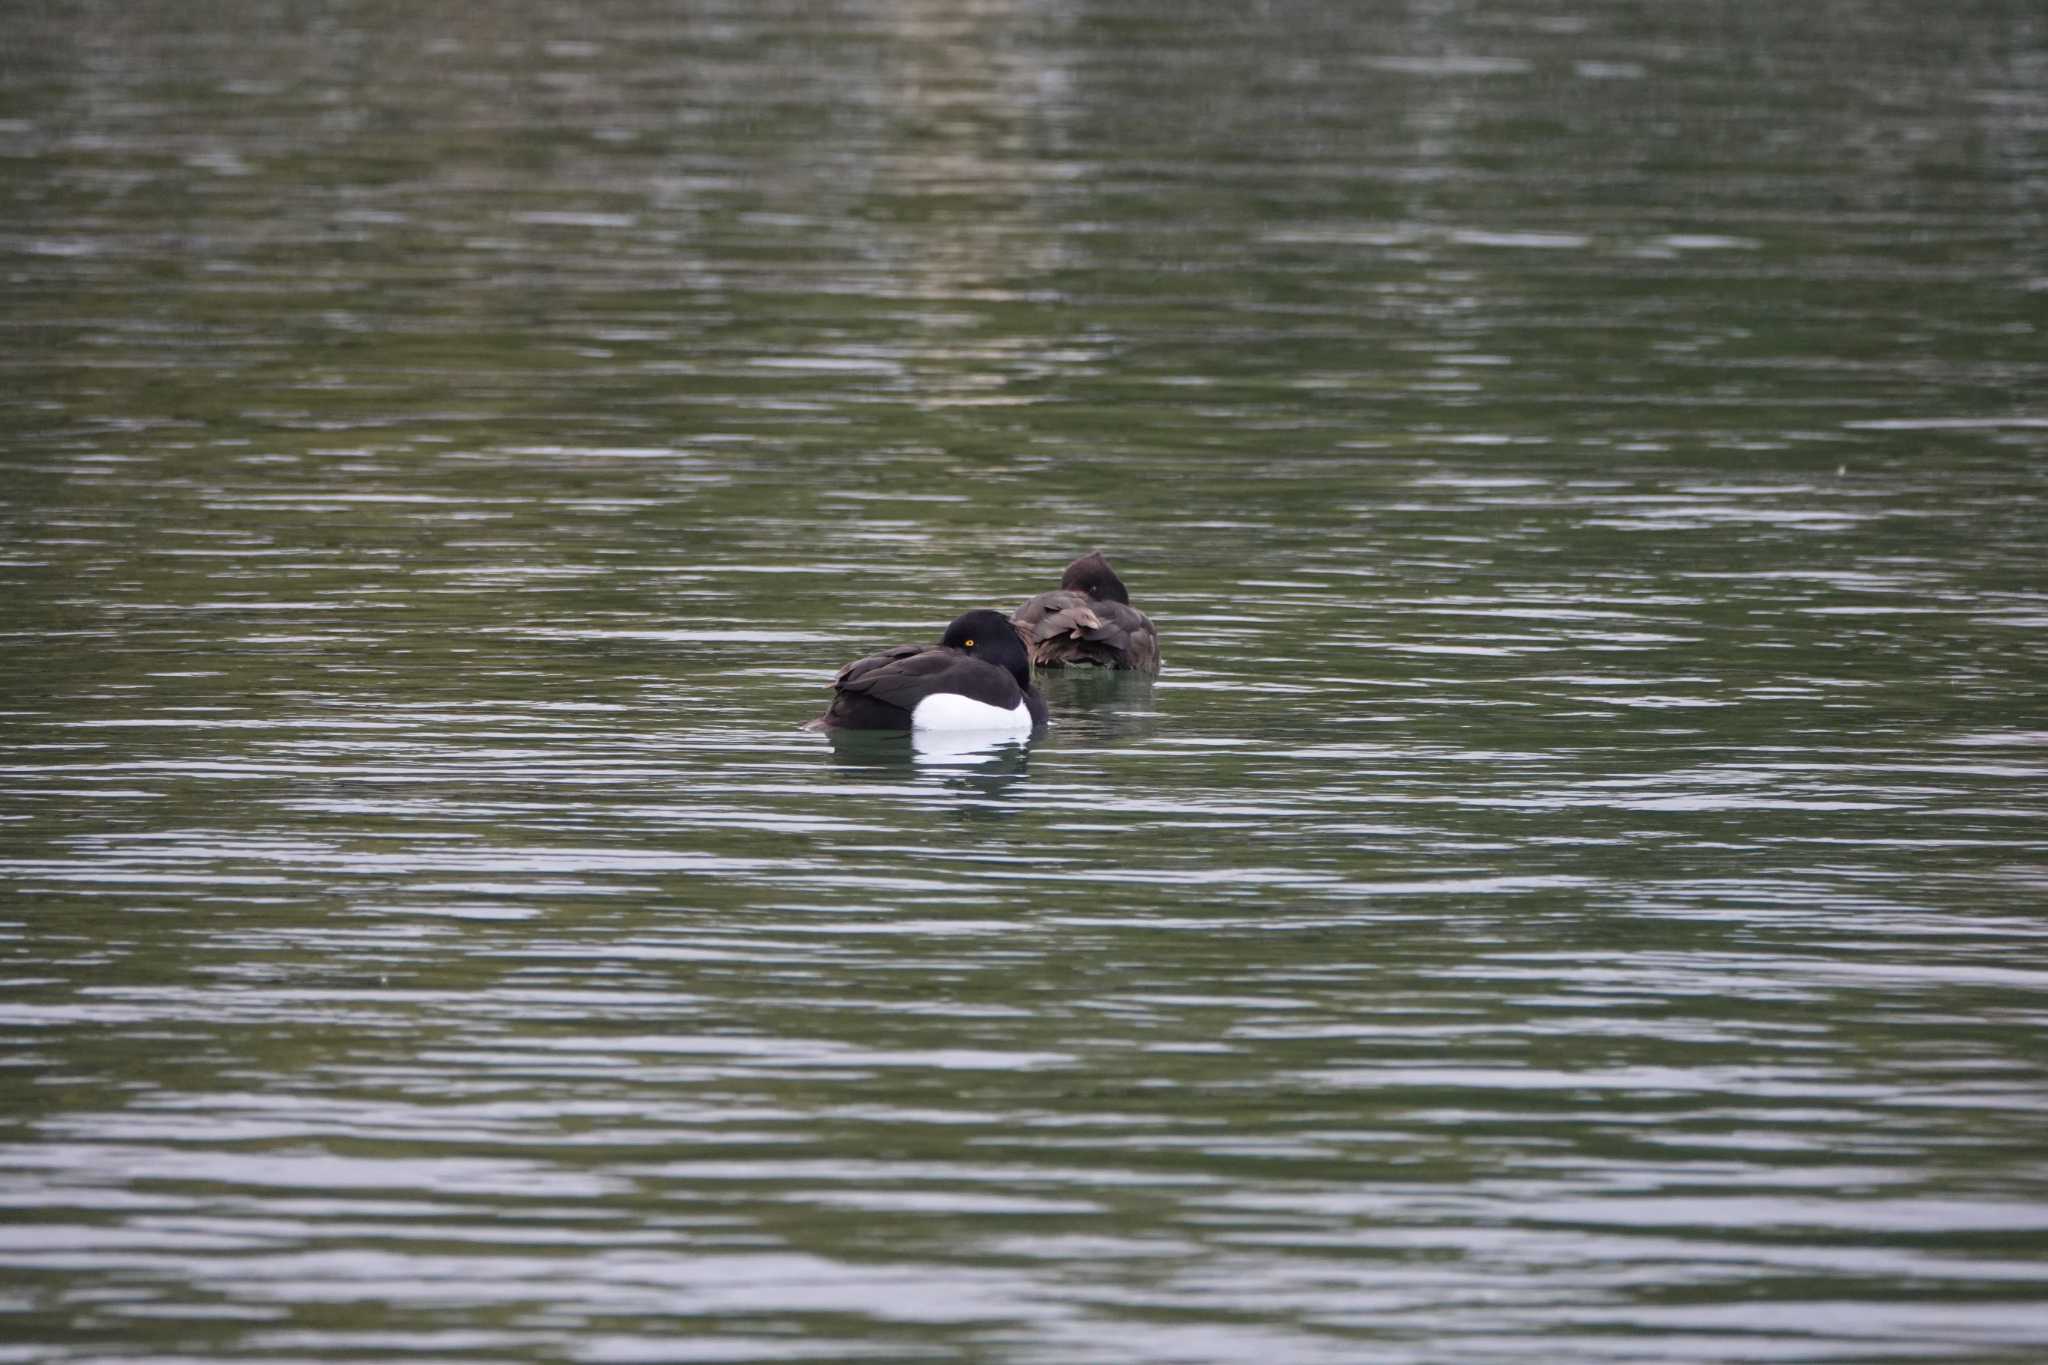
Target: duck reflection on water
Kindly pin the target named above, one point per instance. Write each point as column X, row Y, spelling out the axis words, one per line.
column 985, row 763
column 1101, row 706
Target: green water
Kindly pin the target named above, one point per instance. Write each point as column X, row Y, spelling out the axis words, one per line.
column 1575, row 892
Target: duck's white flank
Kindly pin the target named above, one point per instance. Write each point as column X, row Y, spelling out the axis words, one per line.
column 951, row 711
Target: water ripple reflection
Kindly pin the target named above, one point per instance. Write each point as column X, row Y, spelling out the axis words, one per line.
column 1572, row 894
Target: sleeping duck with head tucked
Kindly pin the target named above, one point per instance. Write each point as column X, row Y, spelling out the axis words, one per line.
column 1089, row 620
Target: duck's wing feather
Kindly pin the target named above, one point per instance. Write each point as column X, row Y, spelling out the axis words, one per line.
column 1071, row 627
column 1132, row 633
column 1051, row 615
column 907, row 674
column 880, row 659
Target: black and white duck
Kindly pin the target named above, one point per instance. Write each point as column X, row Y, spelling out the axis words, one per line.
column 977, row 677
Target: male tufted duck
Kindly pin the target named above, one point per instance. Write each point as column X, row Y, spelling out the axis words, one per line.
column 978, row 677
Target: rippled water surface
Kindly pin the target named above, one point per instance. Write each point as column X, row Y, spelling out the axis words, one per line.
column 1576, row 891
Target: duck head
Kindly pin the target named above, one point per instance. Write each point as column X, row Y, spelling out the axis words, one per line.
column 988, row 635
column 1091, row 574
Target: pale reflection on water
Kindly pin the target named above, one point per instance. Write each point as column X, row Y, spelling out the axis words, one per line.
column 1573, row 893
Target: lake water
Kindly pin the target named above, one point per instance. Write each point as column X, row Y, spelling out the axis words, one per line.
column 1578, row 890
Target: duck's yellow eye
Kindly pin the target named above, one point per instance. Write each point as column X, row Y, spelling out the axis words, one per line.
column 969, row 644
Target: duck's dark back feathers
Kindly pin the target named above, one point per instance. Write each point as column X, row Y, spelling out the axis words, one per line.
column 1088, row 621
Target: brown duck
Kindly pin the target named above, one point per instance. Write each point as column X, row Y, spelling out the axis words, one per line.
column 1090, row 620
